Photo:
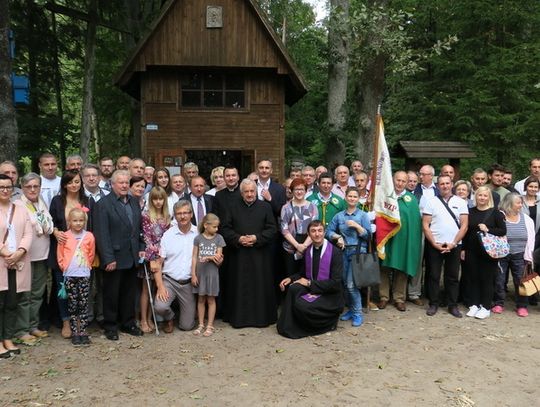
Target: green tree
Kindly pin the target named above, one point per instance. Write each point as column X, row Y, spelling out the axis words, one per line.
column 484, row 91
column 8, row 124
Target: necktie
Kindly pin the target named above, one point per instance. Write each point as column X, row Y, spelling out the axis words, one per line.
column 200, row 211
column 324, row 214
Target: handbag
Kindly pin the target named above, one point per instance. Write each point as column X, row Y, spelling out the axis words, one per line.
column 496, row 247
column 365, row 267
column 530, row 282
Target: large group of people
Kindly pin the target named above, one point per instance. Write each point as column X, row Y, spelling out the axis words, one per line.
column 131, row 246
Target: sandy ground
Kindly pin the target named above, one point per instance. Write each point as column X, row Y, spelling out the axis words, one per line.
column 394, row 359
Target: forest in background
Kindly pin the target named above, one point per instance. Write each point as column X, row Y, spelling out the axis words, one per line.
column 442, row 70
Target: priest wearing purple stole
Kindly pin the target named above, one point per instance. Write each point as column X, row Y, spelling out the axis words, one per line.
column 314, row 298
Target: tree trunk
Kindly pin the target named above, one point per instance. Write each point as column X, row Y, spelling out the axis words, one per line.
column 370, row 94
column 58, row 90
column 338, row 67
column 8, row 122
column 89, row 70
column 135, row 22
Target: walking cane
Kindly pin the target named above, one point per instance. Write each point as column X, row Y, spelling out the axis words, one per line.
column 147, row 278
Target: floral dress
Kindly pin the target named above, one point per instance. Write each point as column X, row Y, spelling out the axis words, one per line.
column 152, row 232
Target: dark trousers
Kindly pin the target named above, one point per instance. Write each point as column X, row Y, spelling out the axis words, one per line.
column 119, row 291
column 435, row 262
column 481, row 272
column 8, row 307
column 516, row 265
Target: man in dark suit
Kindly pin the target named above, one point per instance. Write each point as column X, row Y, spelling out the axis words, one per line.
column 200, row 202
column 274, row 193
column 269, row 190
column 117, row 228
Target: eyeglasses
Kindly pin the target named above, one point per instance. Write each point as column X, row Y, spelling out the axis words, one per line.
column 183, row 213
column 299, row 190
column 31, row 186
column 5, row 189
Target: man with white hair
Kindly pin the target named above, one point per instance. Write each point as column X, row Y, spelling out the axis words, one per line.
column 355, row 169
column 341, row 174
column 426, row 189
column 308, row 175
column 117, row 228
column 74, row 162
column 249, row 229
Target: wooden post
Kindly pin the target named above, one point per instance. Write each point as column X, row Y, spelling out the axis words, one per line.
column 373, row 186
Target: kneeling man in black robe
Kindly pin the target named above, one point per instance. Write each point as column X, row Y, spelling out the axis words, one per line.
column 314, row 298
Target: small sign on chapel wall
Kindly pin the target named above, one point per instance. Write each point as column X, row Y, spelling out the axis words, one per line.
column 214, row 17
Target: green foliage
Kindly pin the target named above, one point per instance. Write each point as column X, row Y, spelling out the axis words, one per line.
column 455, row 70
column 305, row 125
column 482, row 91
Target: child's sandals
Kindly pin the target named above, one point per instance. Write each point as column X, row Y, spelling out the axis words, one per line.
column 199, row 330
column 209, row 331
column 145, row 327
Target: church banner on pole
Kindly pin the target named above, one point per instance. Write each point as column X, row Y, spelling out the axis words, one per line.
column 385, row 201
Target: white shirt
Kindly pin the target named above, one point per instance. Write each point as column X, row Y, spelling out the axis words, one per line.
column 261, row 187
column 105, row 185
column 177, row 250
column 443, row 226
column 100, row 193
column 49, row 189
column 427, row 194
column 11, row 240
column 339, row 190
column 171, row 200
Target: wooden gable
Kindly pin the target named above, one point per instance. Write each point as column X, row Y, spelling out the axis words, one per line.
column 180, row 38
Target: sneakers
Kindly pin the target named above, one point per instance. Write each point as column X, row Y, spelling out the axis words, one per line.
column 472, row 311
column 522, row 312
column 482, row 313
column 346, row 316
column 85, row 340
column 357, row 320
column 76, row 340
column 497, row 309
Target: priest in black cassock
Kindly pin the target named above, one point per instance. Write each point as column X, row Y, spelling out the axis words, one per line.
column 314, row 298
column 249, row 228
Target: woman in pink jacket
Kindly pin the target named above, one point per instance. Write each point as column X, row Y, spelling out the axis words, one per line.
column 15, row 274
